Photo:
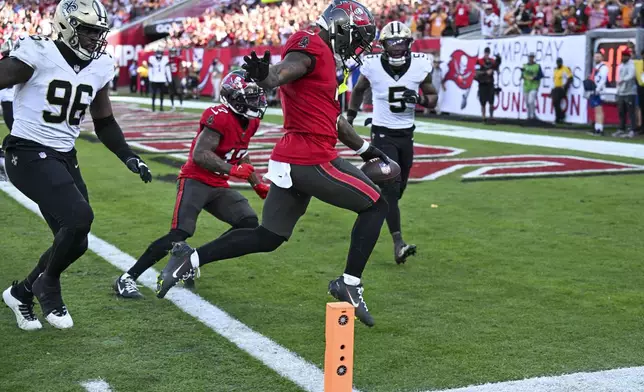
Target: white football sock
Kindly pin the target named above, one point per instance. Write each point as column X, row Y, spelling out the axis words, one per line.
column 351, row 280
column 194, row 259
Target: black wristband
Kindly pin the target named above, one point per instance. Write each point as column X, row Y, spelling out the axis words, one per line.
column 352, row 113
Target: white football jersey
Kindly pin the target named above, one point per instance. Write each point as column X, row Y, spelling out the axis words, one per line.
column 6, row 95
column 389, row 109
column 159, row 69
column 49, row 108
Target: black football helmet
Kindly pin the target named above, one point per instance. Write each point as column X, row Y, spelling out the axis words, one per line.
column 244, row 98
column 351, row 28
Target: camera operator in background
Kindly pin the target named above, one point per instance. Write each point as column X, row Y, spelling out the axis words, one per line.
column 531, row 75
column 485, row 68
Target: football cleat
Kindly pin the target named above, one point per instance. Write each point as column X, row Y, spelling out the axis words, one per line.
column 353, row 295
column 47, row 290
column 189, row 284
column 179, row 268
column 125, row 287
column 23, row 309
column 402, row 251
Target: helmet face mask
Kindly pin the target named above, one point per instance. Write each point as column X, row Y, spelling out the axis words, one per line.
column 83, row 27
column 396, row 40
column 397, row 51
column 244, row 98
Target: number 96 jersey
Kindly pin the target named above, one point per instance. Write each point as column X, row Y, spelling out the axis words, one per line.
column 49, row 108
column 389, row 108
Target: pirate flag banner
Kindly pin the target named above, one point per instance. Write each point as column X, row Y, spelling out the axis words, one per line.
column 461, row 95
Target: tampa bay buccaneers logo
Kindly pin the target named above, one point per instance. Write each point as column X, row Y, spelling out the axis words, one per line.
column 461, row 69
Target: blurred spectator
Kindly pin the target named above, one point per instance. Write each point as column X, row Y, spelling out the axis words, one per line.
column 438, row 22
column 626, row 94
column 133, row 76
column 142, row 71
column 597, row 15
column 486, row 66
column 562, row 79
column 490, row 22
column 531, row 75
column 461, row 14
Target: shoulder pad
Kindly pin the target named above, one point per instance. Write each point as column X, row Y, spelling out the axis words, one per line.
column 216, row 118
column 30, row 50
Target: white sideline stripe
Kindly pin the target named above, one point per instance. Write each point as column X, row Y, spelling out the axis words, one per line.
column 96, row 386
column 286, row 363
column 616, row 380
column 629, row 150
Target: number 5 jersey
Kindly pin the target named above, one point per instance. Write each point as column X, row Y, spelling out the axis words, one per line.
column 389, row 108
column 49, row 108
column 233, row 144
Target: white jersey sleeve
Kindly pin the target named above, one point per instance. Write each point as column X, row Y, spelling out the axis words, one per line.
column 50, row 106
column 368, row 65
column 29, row 51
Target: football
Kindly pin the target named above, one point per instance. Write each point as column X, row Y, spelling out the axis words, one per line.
column 380, row 172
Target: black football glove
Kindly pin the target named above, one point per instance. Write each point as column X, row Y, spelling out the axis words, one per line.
column 411, row 96
column 136, row 165
column 256, row 68
column 372, row 153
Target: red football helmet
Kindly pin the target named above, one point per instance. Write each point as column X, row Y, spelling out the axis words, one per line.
column 351, row 28
column 242, row 97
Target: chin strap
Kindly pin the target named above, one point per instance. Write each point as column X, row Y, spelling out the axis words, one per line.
column 342, row 88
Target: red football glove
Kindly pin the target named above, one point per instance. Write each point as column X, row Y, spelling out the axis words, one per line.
column 262, row 190
column 242, row 171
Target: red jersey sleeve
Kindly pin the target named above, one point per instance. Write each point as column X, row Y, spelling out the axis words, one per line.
column 303, row 41
column 215, row 118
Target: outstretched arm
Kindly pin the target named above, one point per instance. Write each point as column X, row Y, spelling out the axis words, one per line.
column 357, row 96
column 204, row 152
column 14, row 71
column 294, row 66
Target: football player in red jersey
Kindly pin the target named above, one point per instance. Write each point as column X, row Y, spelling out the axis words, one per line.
column 305, row 163
column 175, row 71
column 219, row 151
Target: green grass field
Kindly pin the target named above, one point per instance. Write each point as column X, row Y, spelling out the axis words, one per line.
column 514, row 279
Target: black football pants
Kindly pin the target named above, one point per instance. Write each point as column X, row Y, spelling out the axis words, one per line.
column 401, row 150
column 53, row 181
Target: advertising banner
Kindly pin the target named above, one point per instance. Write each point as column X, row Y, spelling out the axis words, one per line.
column 461, row 56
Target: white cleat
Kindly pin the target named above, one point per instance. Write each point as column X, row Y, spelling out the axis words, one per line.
column 25, row 316
column 60, row 318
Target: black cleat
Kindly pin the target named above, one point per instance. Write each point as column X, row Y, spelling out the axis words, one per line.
column 189, row 284
column 125, row 287
column 179, row 268
column 353, row 295
column 402, row 251
column 47, row 290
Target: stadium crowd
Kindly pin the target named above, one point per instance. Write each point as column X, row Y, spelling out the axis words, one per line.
column 250, row 23
column 20, row 18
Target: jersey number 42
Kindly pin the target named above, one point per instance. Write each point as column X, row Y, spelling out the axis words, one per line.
column 59, row 94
